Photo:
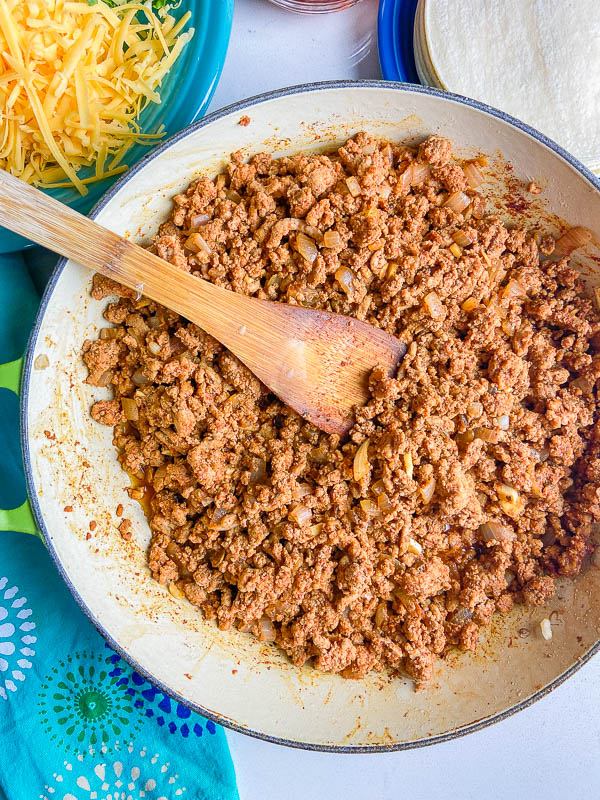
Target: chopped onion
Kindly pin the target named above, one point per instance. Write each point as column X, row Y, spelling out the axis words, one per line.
column 404, row 598
column 316, row 529
column 461, row 239
column 427, row 490
column 197, row 244
column 267, row 431
column 370, row 508
column 320, row 455
column 138, row 339
column 300, row 515
column 385, row 506
column 434, row 305
column 222, row 521
column 414, row 547
column 408, row 464
column 405, row 180
column 273, row 282
column 41, row 362
column 110, row 333
column 380, row 614
column 496, row 532
column 469, row 304
column 464, row 437
column 306, row 247
column 259, row 471
column 378, row 488
column 310, row 230
column 176, row 591
column 104, row 379
column 154, row 322
column 388, row 154
column 503, row 422
column 154, row 348
column 461, row 616
column 458, row 201
column 140, row 379
column 199, row 219
column 345, row 277
column 353, row 186
column 332, row 239
column 487, row 435
column 302, row 490
column 361, row 464
column 384, row 191
column 543, row 454
column 473, row 175
column 233, row 196
column 266, row 630
column 546, row 629
column 506, row 492
column 420, row 172
column 455, row 250
column 571, row 240
column 308, row 297
column 514, row 289
column 130, row 409
column 509, row 499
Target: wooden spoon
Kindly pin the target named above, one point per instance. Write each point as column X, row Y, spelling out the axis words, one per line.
column 315, row 361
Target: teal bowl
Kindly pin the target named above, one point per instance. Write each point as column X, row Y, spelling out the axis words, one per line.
column 186, row 92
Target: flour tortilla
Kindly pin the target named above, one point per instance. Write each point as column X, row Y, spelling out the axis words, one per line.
column 538, row 60
column 422, row 57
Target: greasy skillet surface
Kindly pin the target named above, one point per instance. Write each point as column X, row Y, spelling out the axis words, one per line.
column 236, row 109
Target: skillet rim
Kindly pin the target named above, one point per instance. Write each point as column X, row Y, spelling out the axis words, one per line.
column 243, row 105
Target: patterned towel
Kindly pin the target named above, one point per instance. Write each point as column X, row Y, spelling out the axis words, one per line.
column 76, row 722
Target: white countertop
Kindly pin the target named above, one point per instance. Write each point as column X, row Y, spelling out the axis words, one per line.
column 550, row 750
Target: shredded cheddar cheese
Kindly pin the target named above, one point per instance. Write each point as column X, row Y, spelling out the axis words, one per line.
column 74, row 78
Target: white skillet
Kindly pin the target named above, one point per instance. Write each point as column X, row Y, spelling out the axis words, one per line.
column 229, row 677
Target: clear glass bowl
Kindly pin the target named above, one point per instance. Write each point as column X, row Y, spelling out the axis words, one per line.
column 314, row 6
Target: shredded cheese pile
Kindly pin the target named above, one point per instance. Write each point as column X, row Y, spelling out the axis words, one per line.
column 74, row 78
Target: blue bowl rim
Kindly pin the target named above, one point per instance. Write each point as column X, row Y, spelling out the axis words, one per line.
column 215, row 53
column 26, row 381
column 395, row 24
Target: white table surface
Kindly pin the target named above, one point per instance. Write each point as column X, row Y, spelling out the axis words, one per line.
column 550, row 750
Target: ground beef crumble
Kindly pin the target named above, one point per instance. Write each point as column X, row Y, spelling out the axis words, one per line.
column 479, row 475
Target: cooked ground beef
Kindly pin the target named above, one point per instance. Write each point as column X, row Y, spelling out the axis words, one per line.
column 470, row 479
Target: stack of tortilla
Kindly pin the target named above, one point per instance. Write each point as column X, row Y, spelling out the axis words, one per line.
column 538, row 60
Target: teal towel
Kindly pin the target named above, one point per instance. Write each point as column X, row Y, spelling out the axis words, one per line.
column 76, row 721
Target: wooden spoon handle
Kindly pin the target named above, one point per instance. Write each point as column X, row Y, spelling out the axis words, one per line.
column 33, row 214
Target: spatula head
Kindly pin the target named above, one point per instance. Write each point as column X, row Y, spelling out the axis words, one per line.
column 320, row 362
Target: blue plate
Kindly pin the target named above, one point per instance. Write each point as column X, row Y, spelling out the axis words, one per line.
column 395, row 26
column 186, row 92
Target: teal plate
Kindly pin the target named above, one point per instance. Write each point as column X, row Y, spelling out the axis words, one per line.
column 186, row 92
